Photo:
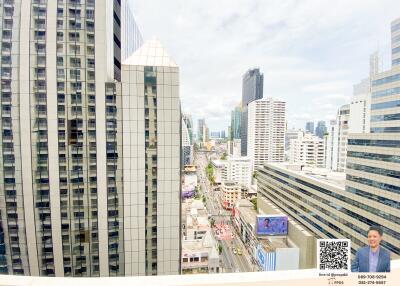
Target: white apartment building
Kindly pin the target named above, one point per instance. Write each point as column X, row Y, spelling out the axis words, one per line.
column 360, row 107
column 308, row 149
column 237, row 169
column 337, row 140
column 76, row 115
column 266, row 131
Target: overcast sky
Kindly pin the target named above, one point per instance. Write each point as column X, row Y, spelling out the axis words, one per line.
column 311, row 52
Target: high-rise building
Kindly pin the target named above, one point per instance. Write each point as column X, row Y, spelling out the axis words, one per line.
column 310, row 127
column 360, row 104
column 151, row 161
column 223, row 136
column 236, row 115
column 266, row 131
column 187, row 118
column 66, row 209
column 320, row 130
column 187, row 145
column 307, row 150
column 206, row 134
column 372, row 174
column 215, row 134
column 395, row 31
column 337, row 140
column 200, row 126
column 252, row 89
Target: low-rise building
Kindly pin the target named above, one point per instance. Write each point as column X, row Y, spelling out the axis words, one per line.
column 231, row 192
column 200, row 255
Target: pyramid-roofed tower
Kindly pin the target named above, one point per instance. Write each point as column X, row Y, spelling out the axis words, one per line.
column 152, row 53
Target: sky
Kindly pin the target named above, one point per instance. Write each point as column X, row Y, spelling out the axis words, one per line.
column 311, row 52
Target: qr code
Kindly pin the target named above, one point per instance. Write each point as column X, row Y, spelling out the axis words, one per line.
column 334, row 254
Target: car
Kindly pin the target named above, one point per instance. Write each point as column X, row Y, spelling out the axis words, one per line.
column 239, row 251
column 234, row 250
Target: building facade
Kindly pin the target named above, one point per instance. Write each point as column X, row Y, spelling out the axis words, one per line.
column 66, row 209
column 321, row 202
column 252, row 89
column 395, row 32
column 266, row 131
column 373, row 165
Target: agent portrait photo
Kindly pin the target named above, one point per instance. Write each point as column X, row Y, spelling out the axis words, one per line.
column 372, row 258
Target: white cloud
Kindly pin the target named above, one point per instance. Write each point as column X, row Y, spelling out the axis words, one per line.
column 311, row 52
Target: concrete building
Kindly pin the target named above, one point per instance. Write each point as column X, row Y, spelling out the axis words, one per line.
column 231, row 192
column 266, row 131
column 308, row 149
column 66, row 209
column 319, row 200
column 252, row 89
column 310, row 127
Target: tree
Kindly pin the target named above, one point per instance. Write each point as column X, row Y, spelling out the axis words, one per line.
column 254, row 201
column 219, row 249
column 224, row 156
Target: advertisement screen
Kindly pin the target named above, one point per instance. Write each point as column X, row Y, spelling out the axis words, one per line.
column 272, row 225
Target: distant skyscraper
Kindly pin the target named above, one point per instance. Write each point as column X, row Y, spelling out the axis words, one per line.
column 236, row 116
column 223, row 134
column 252, row 89
column 187, row 145
column 189, row 125
column 310, row 127
column 320, row 130
column 200, row 126
column 215, row 134
column 266, row 131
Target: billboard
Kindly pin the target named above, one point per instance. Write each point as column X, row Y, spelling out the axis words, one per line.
column 272, row 225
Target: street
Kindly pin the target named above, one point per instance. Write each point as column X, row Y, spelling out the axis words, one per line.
column 231, row 262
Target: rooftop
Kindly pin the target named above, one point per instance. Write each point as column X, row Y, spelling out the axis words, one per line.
column 335, row 179
column 152, row 53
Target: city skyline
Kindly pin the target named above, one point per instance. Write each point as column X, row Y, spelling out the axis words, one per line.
column 282, row 43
